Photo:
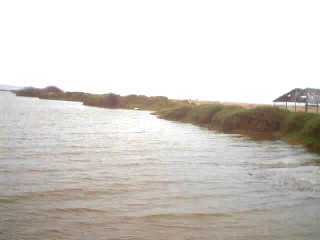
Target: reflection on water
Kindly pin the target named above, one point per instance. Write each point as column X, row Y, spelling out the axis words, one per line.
column 73, row 172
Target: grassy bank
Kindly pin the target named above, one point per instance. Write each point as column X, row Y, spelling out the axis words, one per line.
column 262, row 122
column 109, row 100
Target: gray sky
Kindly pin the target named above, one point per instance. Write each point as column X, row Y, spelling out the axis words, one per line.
column 245, row 51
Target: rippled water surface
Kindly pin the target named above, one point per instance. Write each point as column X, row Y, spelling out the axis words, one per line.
column 73, row 172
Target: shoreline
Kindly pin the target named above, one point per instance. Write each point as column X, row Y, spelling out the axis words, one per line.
column 262, row 122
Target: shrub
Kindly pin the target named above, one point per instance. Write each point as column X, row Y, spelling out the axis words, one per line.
column 312, row 127
column 295, row 122
column 203, row 114
column 223, row 118
column 261, row 119
column 179, row 113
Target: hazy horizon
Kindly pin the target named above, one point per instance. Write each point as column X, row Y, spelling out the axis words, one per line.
column 246, row 51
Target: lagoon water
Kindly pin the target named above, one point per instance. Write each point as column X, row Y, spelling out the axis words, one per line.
column 68, row 171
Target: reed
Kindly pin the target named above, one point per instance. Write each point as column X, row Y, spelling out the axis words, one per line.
column 266, row 122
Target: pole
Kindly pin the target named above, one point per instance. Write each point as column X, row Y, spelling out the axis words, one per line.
column 306, row 107
column 295, row 101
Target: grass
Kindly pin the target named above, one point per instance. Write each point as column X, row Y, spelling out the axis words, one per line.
column 301, row 128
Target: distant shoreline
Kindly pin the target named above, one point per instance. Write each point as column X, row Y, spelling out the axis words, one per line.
column 5, row 90
column 263, row 122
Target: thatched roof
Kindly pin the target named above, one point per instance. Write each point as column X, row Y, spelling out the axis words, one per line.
column 299, row 95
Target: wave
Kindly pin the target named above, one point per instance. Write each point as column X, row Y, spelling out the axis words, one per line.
column 60, row 195
column 185, row 215
column 77, row 210
column 289, row 162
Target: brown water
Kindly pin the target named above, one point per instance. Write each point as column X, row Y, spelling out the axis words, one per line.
column 73, row 172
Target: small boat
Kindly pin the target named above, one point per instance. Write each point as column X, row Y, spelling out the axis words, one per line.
column 136, row 108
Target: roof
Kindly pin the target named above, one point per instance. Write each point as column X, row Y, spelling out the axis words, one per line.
column 299, row 95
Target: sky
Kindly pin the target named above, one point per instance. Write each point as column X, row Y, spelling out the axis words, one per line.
column 227, row 50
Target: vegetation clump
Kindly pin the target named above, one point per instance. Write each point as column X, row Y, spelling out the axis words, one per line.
column 109, row 100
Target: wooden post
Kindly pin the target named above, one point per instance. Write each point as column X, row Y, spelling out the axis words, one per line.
column 295, row 106
column 286, row 105
column 306, row 107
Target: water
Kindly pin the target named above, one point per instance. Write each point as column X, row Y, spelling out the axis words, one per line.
column 68, row 171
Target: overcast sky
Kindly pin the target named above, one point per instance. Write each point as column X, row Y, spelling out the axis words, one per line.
column 244, row 51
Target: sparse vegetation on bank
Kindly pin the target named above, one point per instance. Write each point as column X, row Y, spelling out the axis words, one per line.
column 269, row 122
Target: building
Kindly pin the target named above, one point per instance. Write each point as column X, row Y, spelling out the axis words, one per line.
column 310, row 97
